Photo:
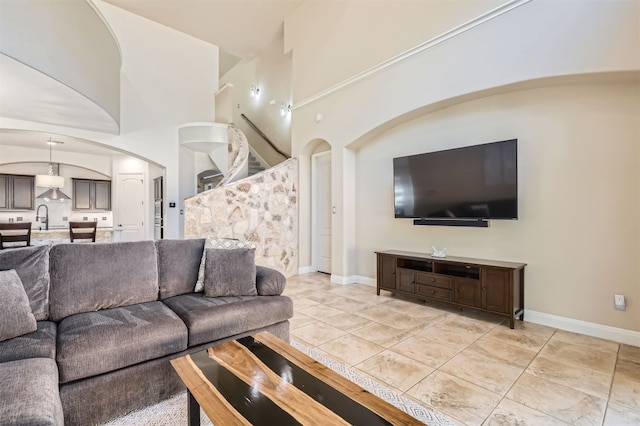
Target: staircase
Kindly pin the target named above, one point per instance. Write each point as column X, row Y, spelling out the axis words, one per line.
column 255, row 165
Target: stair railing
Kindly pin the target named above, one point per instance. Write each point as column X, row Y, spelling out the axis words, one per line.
column 239, row 156
column 263, row 136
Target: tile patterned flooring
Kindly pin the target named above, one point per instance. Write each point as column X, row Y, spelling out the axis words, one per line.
column 470, row 367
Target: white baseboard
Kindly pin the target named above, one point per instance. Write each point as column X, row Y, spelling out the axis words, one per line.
column 352, row 279
column 619, row 335
column 306, row 270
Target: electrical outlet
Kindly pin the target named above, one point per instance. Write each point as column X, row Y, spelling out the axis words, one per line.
column 65, row 219
column 619, row 303
column 104, row 218
column 10, row 220
column 85, row 218
column 19, row 219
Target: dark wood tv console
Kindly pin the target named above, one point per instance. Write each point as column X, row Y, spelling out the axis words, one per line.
column 489, row 286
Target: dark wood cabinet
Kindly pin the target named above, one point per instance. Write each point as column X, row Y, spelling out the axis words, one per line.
column 494, row 287
column 406, row 280
column 91, row 195
column 17, row 192
column 468, row 292
column 496, row 290
column 386, row 272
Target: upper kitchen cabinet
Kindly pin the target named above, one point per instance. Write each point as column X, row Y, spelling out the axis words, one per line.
column 17, row 192
column 91, row 195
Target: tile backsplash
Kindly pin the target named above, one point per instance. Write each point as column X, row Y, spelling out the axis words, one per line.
column 59, row 215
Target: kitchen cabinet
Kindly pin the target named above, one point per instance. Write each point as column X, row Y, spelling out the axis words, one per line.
column 91, row 195
column 17, row 192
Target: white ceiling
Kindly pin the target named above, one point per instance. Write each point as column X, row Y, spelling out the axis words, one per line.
column 241, row 28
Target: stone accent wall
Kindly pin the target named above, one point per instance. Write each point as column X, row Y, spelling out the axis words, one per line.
column 262, row 209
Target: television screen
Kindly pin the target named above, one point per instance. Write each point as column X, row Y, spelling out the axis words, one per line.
column 475, row 182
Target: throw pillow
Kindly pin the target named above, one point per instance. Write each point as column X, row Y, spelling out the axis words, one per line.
column 15, row 316
column 218, row 243
column 230, row 272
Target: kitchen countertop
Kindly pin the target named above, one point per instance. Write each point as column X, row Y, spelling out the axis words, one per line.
column 66, row 229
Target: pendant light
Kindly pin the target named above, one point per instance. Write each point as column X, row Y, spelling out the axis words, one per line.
column 52, row 181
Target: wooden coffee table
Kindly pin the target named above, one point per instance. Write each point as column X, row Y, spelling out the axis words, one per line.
column 262, row 380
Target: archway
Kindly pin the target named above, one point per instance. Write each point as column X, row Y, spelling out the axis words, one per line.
column 315, row 220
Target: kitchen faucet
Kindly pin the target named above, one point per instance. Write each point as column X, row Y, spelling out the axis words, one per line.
column 46, row 217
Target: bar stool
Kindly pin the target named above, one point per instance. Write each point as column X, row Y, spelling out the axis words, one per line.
column 83, row 231
column 15, row 233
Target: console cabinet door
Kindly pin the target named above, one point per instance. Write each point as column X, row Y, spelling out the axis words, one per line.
column 468, row 292
column 406, row 280
column 495, row 290
column 386, row 272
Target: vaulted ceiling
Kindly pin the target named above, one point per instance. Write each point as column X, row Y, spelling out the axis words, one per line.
column 242, row 29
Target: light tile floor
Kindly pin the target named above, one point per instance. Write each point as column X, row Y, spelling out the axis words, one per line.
column 470, row 367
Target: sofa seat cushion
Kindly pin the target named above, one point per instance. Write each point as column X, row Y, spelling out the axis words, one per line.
column 29, row 393
column 39, row 344
column 212, row 318
column 92, row 343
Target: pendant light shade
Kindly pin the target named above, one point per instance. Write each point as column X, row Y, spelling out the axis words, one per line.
column 51, row 181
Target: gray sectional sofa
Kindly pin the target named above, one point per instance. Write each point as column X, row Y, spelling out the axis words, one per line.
column 109, row 317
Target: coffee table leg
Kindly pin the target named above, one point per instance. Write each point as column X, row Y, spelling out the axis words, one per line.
column 193, row 411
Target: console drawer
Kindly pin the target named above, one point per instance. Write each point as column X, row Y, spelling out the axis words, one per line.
column 435, row 293
column 434, row 280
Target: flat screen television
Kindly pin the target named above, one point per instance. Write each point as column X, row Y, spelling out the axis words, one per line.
column 474, row 182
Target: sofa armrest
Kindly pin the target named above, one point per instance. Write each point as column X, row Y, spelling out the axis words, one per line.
column 269, row 282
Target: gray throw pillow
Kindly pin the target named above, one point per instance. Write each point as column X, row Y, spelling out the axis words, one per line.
column 217, row 243
column 16, row 317
column 230, row 272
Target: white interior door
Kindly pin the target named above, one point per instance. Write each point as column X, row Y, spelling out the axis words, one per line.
column 321, row 211
column 130, row 208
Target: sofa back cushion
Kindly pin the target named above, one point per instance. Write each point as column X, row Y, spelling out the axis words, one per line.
column 91, row 277
column 32, row 266
column 178, row 265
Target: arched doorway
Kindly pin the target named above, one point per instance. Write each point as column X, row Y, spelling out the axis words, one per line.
column 321, row 218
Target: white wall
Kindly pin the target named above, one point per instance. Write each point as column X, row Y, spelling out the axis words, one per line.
column 335, row 40
column 271, row 73
column 578, row 179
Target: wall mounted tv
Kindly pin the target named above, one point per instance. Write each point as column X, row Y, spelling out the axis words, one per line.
column 458, row 186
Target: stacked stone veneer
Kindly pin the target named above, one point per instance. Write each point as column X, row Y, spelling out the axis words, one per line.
column 262, row 209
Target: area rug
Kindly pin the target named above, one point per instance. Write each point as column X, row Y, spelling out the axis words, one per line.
column 174, row 411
